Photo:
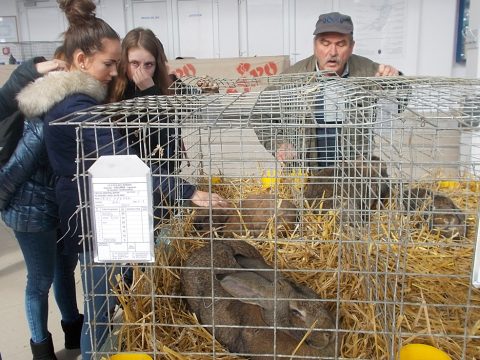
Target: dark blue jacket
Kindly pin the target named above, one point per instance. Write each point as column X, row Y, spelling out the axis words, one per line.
column 62, row 94
column 27, row 184
column 27, row 197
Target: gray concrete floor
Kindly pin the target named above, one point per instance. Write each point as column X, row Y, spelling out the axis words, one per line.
column 15, row 336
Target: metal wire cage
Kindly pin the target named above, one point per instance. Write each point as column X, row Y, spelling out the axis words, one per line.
column 360, row 195
column 206, row 84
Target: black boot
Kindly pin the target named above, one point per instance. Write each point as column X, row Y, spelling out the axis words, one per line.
column 43, row 350
column 73, row 332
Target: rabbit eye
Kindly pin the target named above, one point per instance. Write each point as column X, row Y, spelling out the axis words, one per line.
column 296, row 312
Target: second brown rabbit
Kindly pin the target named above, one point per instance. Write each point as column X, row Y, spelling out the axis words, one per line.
column 255, row 310
column 252, row 215
column 355, row 188
column 437, row 209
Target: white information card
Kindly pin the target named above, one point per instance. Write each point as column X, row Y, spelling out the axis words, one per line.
column 121, row 209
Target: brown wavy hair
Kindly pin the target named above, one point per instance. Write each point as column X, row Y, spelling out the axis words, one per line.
column 85, row 31
column 146, row 39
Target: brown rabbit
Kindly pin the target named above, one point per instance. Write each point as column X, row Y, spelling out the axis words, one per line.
column 244, row 289
column 355, row 187
column 253, row 214
column 437, row 209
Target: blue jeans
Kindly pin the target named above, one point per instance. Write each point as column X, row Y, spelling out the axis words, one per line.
column 46, row 266
column 99, row 303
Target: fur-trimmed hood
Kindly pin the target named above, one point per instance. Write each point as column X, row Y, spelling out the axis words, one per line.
column 41, row 95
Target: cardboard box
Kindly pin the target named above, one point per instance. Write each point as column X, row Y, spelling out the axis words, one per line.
column 228, row 68
column 231, row 68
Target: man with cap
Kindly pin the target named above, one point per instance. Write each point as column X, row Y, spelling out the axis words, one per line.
column 324, row 144
column 333, row 51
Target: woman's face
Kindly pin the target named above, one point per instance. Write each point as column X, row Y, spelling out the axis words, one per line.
column 102, row 65
column 140, row 60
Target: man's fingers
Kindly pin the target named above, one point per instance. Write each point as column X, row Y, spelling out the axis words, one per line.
column 387, row 70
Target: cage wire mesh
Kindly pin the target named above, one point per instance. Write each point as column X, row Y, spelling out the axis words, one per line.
column 361, row 241
column 207, row 84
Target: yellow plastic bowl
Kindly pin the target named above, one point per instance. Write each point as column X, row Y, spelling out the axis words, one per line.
column 130, row 357
column 448, row 184
column 422, row 352
column 216, row 180
column 475, row 186
column 270, row 179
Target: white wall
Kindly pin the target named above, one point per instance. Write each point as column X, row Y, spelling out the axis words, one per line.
column 436, row 45
column 417, row 36
column 9, row 7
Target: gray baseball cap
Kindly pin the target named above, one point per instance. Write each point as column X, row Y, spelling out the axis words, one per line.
column 334, row 22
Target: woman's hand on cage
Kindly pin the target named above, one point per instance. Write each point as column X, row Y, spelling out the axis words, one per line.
column 205, row 199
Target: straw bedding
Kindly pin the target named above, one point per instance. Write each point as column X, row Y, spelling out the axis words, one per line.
column 392, row 282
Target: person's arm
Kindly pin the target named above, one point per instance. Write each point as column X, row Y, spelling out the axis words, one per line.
column 108, row 141
column 269, row 130
column 21, row 77
column 23, row 162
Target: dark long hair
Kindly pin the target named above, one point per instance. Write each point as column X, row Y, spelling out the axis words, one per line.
column 146, row 39
column 85, row 31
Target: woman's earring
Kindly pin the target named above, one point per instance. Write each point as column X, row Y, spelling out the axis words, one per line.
column 82, row 66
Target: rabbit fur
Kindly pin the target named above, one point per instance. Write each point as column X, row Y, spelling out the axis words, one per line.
column 437, row 209
column 253, row 215
column 240, row 272
column 355, row 188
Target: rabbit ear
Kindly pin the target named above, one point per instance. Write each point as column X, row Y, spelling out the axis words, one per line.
column 249, row 263
column 249, row 285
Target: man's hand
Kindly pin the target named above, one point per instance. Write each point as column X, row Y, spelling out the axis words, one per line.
column 45, row 67
column 142, row 79
column 285, row 152
column 387, row 70
column 202, row 199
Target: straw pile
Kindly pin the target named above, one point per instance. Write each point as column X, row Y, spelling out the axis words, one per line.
column 393, row 283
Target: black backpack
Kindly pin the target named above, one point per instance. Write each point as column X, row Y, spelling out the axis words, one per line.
column 11, row 131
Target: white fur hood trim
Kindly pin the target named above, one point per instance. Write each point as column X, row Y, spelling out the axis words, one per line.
column 41, row 95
